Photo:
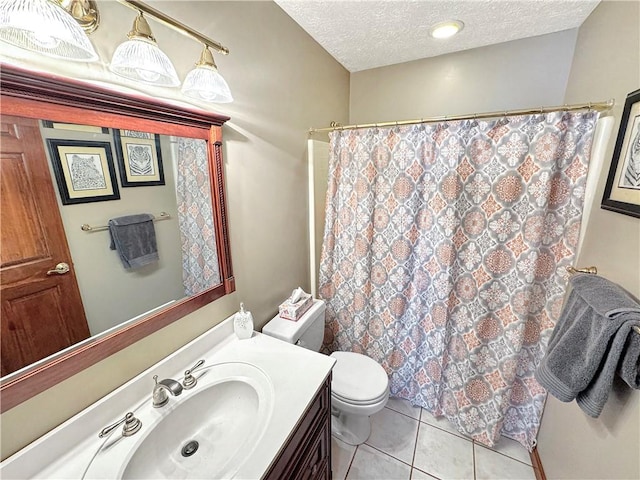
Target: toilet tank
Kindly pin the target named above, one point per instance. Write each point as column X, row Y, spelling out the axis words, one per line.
column 307, row 332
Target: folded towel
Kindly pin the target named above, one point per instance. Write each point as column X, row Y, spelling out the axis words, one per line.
column 134, row 237
column 588, row 342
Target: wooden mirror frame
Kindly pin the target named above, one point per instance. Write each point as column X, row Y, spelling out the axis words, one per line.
column 42, row 96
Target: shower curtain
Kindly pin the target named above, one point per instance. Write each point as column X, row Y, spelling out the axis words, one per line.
column 200, row 267
column 444, row 258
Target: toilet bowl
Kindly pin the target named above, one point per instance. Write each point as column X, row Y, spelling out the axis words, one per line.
column 359, row 388
column 359, row 385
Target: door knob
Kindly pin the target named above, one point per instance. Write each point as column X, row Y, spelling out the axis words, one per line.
column 60, row 269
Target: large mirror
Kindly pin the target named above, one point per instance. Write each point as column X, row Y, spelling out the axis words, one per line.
column 76, row 159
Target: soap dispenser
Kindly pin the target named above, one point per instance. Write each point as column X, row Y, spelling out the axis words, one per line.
column 243, row 323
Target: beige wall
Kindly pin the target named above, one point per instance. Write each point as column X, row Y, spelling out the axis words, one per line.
column 97, row 268
column 283, row 83
column 572, row 445
column 519, row 74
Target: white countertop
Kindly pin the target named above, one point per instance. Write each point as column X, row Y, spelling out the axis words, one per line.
column 295, row 373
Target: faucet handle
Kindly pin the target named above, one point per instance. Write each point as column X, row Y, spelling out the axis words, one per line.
column 189, row 380
column 131, row 426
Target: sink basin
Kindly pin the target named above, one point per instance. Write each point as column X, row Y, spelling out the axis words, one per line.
column 207, row 432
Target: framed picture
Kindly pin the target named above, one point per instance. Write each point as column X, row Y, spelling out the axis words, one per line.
column 139, row 158
column 74, row 126
column 622, row 192
column 84, row 171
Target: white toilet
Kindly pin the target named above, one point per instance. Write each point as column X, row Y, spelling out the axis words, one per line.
column 359, row 385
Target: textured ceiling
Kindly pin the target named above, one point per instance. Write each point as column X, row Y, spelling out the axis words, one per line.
column 364, row 34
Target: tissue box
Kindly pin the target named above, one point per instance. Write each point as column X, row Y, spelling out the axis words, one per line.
column 293, row 311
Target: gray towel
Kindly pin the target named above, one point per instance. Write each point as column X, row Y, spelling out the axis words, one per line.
column 588, row 343
column 134, row 237
column 629, row 366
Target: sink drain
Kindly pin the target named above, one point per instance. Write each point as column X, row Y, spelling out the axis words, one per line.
column 190, row 448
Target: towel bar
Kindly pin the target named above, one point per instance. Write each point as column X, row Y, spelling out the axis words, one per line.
column 88, row 228
column 593, row 271
column 573, row 270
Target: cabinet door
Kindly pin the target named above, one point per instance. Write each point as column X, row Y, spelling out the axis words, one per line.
column 307, row 454
column 315, row 463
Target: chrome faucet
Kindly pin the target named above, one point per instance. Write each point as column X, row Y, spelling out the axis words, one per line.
column 161, row 388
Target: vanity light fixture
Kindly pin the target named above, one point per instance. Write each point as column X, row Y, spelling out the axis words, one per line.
column 140, row 58
column 205, row 82
column 446, row 29
column 45, row 27
column 55, row 28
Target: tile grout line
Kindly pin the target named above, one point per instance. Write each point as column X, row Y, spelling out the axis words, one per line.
column 388, row 455
column 473, row 453
column 415, row 447
column 505, row 455
column 346, row 474
column 402, row 413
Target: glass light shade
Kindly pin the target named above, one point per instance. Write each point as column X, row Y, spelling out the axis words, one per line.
column 43, row 26
column 205, row 83
column 142, row 60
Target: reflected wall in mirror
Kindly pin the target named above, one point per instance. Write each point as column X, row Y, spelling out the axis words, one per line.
column 67, row 148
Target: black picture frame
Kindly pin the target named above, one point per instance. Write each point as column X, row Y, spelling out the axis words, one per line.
column 73, row 127
column 622, row 191
column 144, row 147
column 84, row 170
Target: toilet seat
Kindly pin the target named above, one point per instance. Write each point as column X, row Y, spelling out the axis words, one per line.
column 358, row 379
column 364, row 403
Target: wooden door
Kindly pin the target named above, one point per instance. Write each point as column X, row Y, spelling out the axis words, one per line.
column 41, row 313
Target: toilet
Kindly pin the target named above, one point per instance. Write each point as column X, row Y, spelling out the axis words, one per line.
column 359, row 385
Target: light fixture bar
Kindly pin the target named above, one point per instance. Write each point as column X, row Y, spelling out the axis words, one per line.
column 175, row 24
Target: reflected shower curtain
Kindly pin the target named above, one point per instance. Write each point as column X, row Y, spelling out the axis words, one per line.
column 444, row 258
column 200, row 267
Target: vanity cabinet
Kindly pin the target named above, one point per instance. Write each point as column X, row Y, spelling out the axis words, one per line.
column 307, row 453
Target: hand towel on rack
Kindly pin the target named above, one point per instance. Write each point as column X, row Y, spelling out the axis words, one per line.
column 588, row 342
column 134, row 237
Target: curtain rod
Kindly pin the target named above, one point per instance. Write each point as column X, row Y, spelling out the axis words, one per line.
column 598, row 106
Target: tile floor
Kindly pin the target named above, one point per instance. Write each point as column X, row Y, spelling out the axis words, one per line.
column 407, row 442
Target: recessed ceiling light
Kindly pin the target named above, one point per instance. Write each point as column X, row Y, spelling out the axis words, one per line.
column 446, row 29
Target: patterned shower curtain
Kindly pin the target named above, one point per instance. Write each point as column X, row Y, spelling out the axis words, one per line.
column 200, row 268
column 444, row 258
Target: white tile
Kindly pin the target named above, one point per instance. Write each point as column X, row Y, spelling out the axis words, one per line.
column 440, row 422
column 394, row 434
column 513, row 449
column 404, row 406
column 443, row 455
column 494, row 466
column 420, row 475
column 370, row 464
column 341, row 456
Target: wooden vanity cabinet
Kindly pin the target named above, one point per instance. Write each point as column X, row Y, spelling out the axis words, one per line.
column 307, row 453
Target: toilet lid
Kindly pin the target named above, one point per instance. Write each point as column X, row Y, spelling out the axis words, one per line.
column 357, row 377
